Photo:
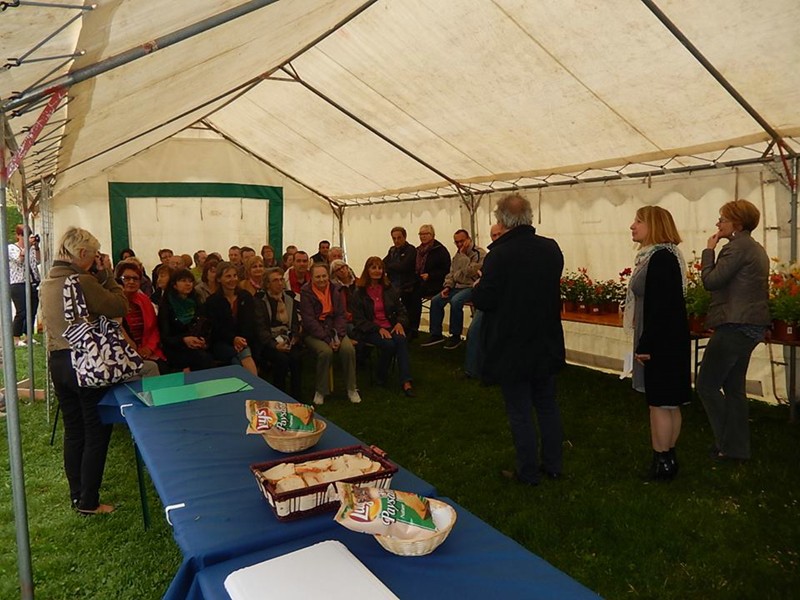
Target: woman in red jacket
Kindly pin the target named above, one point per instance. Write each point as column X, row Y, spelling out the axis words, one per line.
column 141, row 323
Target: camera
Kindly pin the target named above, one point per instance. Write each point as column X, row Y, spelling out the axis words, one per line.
column 37, row 238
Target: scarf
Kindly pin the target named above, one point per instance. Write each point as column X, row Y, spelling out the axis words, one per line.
column 422, row 256
column 327, row 302
column 184, row 308
column 281, row 314
column 641, row 261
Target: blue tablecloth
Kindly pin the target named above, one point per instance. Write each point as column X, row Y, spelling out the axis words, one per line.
column 476, row 561
column 198, row 455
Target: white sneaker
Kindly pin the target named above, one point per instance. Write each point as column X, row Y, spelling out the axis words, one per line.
column 354, row 397
column 34, row 341
column 319, row 398
column 20, row 344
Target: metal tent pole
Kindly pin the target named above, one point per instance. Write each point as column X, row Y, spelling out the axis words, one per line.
column 12, row 403
column 142, row 50
column 793, row 258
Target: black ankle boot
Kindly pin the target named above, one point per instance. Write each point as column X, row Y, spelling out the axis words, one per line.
column 674, row 458
column 665, row 468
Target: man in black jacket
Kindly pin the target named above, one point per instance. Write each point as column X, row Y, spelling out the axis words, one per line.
column 521, row 337
column 400, row 264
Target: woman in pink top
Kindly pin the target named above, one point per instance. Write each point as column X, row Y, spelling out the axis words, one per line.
column 381, row 320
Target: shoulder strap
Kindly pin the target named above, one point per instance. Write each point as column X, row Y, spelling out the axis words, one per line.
column 74, row 302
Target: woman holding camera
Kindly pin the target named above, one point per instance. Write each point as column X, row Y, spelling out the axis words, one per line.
column 86, row 438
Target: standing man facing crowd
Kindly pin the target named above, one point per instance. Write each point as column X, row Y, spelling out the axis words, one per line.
column 521, row 338
column 464, row 272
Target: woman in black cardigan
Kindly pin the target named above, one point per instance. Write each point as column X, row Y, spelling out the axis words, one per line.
column 231, row 311
column 183, row 326
column 656, row 312
column 380, row 319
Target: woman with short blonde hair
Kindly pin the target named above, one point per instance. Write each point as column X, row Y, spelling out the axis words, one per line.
column 86, row 438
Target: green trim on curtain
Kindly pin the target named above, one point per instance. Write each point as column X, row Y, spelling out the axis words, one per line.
column 119, row 193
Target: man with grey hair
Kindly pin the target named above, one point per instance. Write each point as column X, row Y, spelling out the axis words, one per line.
column 522, row 342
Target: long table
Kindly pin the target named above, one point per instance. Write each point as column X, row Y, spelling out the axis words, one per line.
column 476, row 561
column 198, row 456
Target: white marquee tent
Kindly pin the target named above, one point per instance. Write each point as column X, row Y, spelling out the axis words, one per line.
column 340, row 119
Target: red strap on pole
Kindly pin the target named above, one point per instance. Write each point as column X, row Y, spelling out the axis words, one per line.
column 36, row 129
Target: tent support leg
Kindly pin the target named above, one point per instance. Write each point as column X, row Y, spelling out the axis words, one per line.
column 793, row 258
column 12, row 400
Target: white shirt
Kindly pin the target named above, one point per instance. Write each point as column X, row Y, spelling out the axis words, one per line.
column 16, row 264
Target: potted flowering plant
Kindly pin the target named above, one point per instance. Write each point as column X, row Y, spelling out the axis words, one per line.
column 575, row 289
column 784, row 301
column 698, row 299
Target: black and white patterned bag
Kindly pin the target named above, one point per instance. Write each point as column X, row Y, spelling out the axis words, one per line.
column 100, row 354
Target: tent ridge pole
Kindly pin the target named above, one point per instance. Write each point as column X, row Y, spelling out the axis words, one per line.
column 333, row 203
column 719, row 77
column 372, row 129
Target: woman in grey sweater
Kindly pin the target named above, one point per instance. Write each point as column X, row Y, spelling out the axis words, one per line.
column 739, row 315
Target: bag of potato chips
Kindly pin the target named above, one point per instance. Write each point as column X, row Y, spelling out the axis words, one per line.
column 374, row 510
column 263, row 415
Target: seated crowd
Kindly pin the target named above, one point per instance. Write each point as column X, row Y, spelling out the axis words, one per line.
column 264, row 312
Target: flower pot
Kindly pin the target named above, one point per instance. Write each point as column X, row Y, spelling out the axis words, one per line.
column 697, row 324
column 611, row 308
column 783, row 331
column 570, row 306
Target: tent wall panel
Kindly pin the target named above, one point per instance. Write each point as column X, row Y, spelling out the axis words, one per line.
column 192, row 159
column 367, row 228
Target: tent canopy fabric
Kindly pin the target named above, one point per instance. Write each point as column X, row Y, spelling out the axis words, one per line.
column 365, row 102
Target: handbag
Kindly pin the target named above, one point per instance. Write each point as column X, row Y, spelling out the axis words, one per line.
column 100, row 354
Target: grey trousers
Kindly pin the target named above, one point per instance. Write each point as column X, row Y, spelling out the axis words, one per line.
column 721, row 385
column 324, row 354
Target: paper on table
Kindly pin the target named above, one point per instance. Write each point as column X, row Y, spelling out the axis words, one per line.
column 338, row 575
column 201, row 389
column 170, row 389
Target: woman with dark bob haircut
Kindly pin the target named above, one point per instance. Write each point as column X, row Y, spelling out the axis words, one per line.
column 737, row 278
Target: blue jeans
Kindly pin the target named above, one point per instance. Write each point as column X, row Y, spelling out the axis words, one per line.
column 472, row 364
column 724, row 365
column 457, row 299
column 539, row 394
column 388, row 348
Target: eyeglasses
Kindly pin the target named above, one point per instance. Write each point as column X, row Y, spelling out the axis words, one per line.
column 421, row 233
column 131, row 278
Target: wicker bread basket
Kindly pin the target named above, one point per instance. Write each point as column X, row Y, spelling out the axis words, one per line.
column 278, row 440
column 444, row 516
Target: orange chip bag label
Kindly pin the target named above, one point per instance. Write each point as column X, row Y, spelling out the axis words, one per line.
column 264, row 415
column 386, row 512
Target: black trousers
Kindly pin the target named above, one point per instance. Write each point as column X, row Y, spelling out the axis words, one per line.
column 20, row 324
column 86, row 438
column 283, row 364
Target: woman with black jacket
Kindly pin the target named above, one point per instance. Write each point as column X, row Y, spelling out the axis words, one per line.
column 231, row 311
column 183, row 326
column 381, row 320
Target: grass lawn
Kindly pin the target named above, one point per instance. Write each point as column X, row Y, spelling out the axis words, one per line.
column 717, row 531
